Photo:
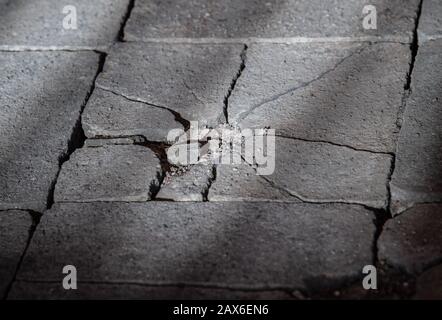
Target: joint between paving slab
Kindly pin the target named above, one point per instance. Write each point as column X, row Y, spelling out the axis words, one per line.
column 277, row 40
column 242, row 66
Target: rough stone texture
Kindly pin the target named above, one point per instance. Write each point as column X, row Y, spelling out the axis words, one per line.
column 429, row 284
column 430, row 23
column 39, row 24
column 189, row 79
column 14, row 232
column 413, row 241
column 110, row 115
column 236, row 244
column 38, row 290
column 269, row 19
column 109, row 173
column 321, row 172
column 418, row 172
column 241, row 183
column 41, row 95
column 347, row 94
column 190, row 185
column 114, row 141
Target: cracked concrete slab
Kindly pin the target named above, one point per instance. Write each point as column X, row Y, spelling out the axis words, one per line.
column 110, row 115
column 412, row 241
column 430, row 24
column 304, row 19
column 109, row 173
column 321, row 172
column 417, row 177
column 191, row 80
column 235, row 244
column 41, row 96
column 39, row 24
column 190, row 185
column 241, row 183
column 348, row 94
column 14, row 233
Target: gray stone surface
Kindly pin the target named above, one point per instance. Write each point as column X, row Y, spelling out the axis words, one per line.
column 241, row 183
column 110, row 115
column 39, row 24
column 109, row 173
column 413, row 241
column 189, row 79
column 39, row 290
column 190, row 185
column 418, row 172
column 41, row 95
column 269, row 19
column 429, row 284
column 236, row 244
column 321, row 172
column 430, row 23
column 342, row 93
column 14, row 233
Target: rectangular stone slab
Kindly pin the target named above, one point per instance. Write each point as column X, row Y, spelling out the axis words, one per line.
column 39, row 23
column 192, row 80
column 235, row 244
column 347, row 94
column 417, row 176
column 313, row 172
column 305, row 19
column 41, row 96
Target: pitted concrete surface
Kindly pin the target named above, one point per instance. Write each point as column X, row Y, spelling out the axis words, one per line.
column 89, row 116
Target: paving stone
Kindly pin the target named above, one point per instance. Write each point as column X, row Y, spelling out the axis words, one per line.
column 430, row 22
column 417, row 176
column 237, row 244
column 110, row 115
column 413, row 241
column 32, row 291
column 269, row 19
column 429, row 284
column 14, row 232
column 190, row 185
column 321, row 172
column 41, row 95
column 192, row 80
column 241, row 183
column 347, row 94
column 39, row 24
column 109, row 173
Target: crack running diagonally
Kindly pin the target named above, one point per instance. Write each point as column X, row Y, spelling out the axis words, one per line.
column 178, row 118
column 245, row 114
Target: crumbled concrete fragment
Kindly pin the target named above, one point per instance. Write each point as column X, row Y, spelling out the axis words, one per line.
column 190, row 185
